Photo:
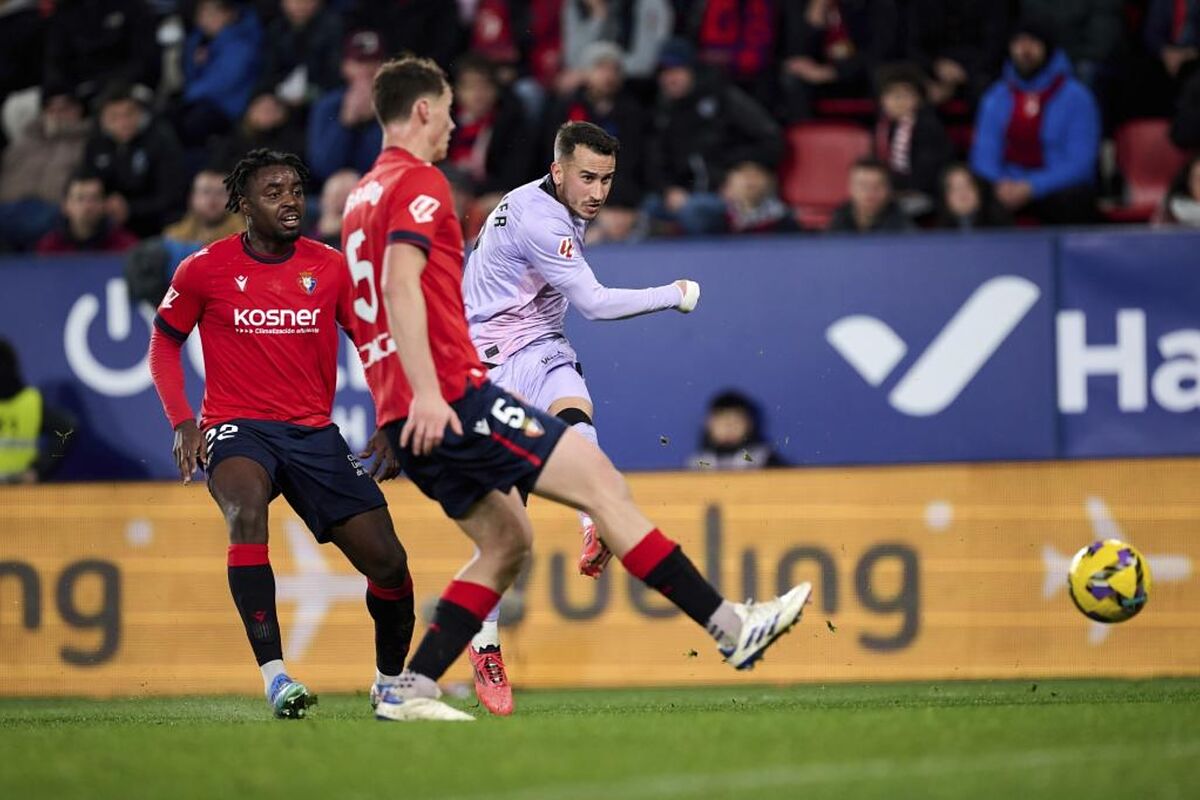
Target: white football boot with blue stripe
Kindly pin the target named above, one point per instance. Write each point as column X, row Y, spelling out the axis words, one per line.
column 763, row 623
column 289, row 699
column 411, row 698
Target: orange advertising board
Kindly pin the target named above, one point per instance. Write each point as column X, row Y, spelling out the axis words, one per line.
column 921, row 572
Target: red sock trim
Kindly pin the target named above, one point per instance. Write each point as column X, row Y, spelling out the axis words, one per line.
column 248, row 555
column 475, row 598
column 648, row 554
column 399, row 593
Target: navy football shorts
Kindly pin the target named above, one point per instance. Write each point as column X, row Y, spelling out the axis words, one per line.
column 312, row 468
column 505, row 444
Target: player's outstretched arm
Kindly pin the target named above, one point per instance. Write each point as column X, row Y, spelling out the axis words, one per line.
column 553, row 254
column 405, row 303
column 596, row 301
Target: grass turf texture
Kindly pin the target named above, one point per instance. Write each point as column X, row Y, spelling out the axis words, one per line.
column 1049, row 739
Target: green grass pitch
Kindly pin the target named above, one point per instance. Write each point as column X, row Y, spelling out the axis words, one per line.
column 1026, row 740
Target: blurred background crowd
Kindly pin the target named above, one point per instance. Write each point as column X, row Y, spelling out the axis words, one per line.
column 121, row 117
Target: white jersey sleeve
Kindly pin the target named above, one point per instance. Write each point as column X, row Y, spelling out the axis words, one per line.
column 553, row 251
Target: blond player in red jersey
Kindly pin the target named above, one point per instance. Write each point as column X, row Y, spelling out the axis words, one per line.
column 467, row 443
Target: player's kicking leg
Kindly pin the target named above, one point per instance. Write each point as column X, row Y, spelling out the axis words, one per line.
column 243, row 489
column 370, row 543
column 580, row 475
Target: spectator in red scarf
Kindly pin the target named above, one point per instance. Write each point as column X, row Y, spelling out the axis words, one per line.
column 1037, row 133
column 491, row 142
column 909, row 137
column 831, row 47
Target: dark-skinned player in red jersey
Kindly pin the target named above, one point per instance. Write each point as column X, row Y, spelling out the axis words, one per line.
column 465, row 442
column 268, row 304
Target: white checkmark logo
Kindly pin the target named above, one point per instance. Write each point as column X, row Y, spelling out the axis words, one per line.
column 952, row 359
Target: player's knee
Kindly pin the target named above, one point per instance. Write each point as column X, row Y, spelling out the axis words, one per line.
column 515, row 559
column 247, row 523
column 391, row 569
column 512, row 547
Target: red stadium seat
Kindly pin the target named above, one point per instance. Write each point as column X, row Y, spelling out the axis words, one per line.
column 813, row 176
column 1149, row 162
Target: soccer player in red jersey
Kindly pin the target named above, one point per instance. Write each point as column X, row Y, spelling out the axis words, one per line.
column 465, row 442
column 268, row 304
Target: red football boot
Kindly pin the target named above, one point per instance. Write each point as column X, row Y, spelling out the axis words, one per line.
column 595, row 555
column 491, row 680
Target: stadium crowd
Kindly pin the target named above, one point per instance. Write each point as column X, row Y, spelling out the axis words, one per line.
column 735, row 116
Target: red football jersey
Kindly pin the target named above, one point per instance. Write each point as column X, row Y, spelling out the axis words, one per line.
column 404, row 199
column 268, row 327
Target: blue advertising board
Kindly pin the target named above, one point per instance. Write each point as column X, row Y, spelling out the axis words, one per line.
column 858, row 350
column 1129, row 344
column 865, row 350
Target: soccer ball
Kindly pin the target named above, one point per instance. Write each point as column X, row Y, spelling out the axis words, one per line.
column 1109, row 581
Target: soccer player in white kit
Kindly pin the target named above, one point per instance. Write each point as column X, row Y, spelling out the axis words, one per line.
column 526, row 268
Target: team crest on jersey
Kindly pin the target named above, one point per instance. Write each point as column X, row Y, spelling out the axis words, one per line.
column 566, row 248
column 307, row 282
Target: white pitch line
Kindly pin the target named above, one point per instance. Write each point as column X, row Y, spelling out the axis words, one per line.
column 709, row 785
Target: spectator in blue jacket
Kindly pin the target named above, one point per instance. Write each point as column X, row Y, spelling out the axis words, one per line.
column 1037, row 133
column 221, row 64
column 342, row 132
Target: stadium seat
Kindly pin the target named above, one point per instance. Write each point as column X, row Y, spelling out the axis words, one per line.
column 815, row 168
column 1148, row 161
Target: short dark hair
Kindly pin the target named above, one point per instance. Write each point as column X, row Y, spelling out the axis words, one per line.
column 401, row 82
column 118, row 92
column 902, row 73
column 872, row 164
column 575, row 134
column 83, row 176
column 473, row 62
column 240, row 175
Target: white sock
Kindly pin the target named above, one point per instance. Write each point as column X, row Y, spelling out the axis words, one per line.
column 725, row 625
column 386, row 680
column 488, row 636
column 270, row 670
